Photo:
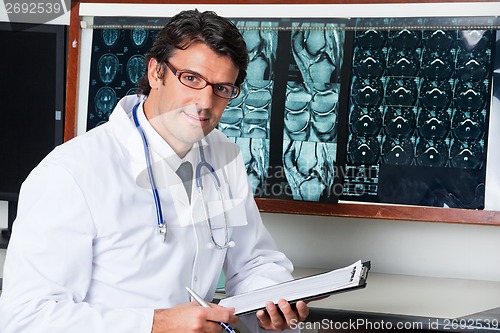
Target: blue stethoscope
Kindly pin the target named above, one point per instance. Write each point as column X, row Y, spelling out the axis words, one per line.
column 199, row 184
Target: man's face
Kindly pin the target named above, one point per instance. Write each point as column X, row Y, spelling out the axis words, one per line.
column 182, row 115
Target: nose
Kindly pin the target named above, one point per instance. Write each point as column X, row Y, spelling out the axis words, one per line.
column 206, row 97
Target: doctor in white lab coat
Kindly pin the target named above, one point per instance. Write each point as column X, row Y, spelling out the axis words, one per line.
column 87, row 253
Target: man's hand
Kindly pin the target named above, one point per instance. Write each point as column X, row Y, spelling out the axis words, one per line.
column 191, row 317
column 283, row 316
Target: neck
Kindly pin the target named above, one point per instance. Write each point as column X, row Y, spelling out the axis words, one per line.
column 179, row 147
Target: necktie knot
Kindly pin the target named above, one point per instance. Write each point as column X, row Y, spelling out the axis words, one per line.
column 185, row 173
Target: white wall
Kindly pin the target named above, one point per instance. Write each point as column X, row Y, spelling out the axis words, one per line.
column 410, row 248
column 399, row 247
column 3, row 214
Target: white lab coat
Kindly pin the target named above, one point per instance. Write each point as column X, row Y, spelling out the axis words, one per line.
column 85, row 254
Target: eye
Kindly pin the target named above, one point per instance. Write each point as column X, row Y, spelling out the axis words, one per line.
column 192, row 79
column 189, row 77
column 223, row 89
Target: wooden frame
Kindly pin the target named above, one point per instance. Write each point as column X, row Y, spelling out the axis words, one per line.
column 356, row 210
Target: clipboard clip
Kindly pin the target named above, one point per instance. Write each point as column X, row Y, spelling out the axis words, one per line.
column 364, row 270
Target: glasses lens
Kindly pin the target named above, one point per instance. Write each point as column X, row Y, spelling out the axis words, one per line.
column 192, row 80
column 195, row 81
column 226, row 91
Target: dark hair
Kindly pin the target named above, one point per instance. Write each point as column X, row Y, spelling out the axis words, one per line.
column 190, row 27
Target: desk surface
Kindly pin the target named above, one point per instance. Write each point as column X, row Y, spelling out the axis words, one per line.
column 414, row 296
column 408, row 296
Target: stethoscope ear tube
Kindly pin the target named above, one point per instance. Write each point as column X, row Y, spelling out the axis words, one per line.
column 203, row 163
column 154, row 189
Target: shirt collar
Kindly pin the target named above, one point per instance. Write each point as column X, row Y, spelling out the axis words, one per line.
column 161, row 148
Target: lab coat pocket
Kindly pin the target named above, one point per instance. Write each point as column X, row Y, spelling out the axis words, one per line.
column 227, row 212
column 227, row 215
column 219, row 213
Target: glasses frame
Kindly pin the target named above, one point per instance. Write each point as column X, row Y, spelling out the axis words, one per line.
column 236, row 90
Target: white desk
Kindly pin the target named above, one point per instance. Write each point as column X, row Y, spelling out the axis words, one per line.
column 407, row 296
column 414, row 296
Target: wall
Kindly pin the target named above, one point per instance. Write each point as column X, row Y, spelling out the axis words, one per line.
column 399, row 247
column 3, row 214
column 413, row 248
column 410, row 248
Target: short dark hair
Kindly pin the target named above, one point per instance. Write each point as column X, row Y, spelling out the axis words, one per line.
column 190, row 27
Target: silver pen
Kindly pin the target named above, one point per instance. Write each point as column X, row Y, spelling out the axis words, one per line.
column 202, row 302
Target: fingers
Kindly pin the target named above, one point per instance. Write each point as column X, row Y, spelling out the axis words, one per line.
column 302, row 310
column 210, row 318
column 264, row 318
column 283, row 316
column 192, row 318
column 222, row 314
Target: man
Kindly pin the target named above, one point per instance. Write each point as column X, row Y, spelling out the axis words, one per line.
column 107, row 235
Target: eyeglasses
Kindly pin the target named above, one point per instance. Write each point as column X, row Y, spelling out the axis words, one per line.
column 196, row 81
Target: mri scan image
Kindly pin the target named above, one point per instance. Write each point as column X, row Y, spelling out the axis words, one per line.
column 105, row 101
column 397, row 151
column 369, row 63
column 108, row 66
column 399, row 122
column 311, row 110
column 437, row 65
column 418, row 99
column 117, row 63
column 138, row 36
column 411, row 103
column 309, row 169
column 110, row 36
column 246, row 119
column 366, row 121
column 431, row 152
column 136, row 68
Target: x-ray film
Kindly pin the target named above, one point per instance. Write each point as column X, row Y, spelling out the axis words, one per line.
column 311, row 110
column 118, row 62
column 390, row 110
column 418, row 114
column 292, row 90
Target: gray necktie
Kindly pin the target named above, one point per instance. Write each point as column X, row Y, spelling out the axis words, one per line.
column 185, row 172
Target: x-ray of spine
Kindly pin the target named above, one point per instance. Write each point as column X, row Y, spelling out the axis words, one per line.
column 247, row 118
column 311, row 110
column 419, row 97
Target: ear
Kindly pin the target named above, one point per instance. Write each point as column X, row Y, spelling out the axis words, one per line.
column 154, row 80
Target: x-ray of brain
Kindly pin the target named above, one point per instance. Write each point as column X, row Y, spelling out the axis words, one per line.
column 108, row 67
column 117, row 64
column 105, row 101
column 110, row 36
column 136, row 68
column 139, row 36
